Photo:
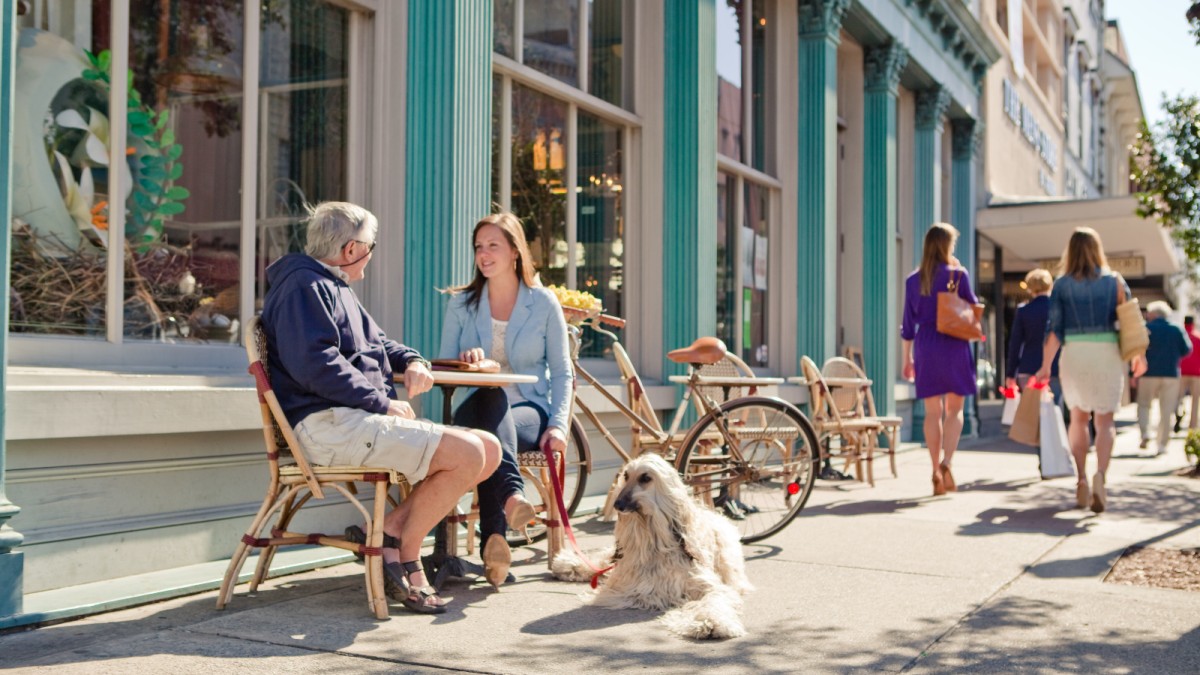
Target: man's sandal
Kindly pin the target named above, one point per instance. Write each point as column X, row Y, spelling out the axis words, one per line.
column 419, row 599
column 355, row 535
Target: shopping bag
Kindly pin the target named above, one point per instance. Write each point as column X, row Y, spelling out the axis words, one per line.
column 1026, row 422
column 955, row 316
column 1132, row 335
column 1054, row 448
column 1012, row 397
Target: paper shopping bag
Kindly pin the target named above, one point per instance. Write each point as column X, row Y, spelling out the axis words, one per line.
column 1012, row 397
column 1054, row 448
column 1026, row 422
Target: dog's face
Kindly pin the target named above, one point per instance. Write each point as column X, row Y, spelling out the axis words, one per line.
column 649, row 479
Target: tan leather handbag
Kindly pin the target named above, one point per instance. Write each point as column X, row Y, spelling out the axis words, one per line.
column 1132, row 334
column 955, row 316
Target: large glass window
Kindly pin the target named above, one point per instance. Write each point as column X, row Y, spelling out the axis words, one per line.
column 180, row 171
column 744, row 185
column 558, row 160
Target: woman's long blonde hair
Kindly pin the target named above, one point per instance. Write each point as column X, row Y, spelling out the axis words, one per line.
column 514, row 232
column 1084, row 256
column 939, row 241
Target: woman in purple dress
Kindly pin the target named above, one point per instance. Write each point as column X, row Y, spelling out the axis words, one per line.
column 942, row 366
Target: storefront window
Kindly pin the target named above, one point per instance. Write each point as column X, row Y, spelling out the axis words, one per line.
column 729, row 79
column 60, row 171
column 599, row 229
column 755, row 277
column 559, row 164
column 303, row 131
column 727, row 267
column 539, row 191
column 743, row 139
column 502, row 26
column 182, row 167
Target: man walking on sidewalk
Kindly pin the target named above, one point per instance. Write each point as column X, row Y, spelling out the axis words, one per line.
column 1168, row 344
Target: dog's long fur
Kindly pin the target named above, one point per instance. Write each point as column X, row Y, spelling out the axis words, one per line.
column 671, row 553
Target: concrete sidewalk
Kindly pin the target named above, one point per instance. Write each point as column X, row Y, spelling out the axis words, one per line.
column 1003, row 576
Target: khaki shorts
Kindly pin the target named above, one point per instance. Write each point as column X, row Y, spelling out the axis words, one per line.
column 353, row 437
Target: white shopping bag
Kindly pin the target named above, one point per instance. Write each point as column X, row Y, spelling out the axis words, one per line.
column 1055, row 453
column 1012, row 397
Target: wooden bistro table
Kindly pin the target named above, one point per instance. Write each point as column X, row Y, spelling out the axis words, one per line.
column 444, row 562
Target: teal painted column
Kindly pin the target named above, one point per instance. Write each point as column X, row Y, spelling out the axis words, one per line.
column 882, row 67
column 689, row 174
column 12, row 563
column 816, row 253
column 927, row 189
column 927, row 170
column 965, row 138
column 448, row 165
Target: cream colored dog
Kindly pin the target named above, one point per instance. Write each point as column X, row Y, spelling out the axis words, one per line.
column 671, row 553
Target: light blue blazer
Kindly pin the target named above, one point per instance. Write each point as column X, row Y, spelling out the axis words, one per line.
column 536, row 344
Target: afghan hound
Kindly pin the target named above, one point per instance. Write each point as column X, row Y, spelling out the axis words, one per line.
column 671, row 553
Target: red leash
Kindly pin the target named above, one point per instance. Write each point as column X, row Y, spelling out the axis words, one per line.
column 562, row 513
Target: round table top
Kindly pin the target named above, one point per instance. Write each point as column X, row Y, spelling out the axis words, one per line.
column 459, row 378
column 729, row 381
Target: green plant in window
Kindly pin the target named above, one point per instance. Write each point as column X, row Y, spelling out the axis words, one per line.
column 157, row 166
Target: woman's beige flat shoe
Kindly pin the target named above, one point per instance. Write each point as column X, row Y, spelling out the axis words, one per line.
column 497, row 558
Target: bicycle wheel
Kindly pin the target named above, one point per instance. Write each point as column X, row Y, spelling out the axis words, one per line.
column 537, row 480
column 763, row 482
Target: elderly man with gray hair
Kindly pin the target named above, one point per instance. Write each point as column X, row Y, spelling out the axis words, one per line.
column 1168, row 344
column 332, row 370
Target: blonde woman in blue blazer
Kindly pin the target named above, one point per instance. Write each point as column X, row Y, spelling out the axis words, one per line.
column 505, row 314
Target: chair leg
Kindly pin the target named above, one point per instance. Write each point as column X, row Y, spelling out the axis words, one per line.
column 243, row 549
column 893, row 440
column 376, row 597
column 263, row 571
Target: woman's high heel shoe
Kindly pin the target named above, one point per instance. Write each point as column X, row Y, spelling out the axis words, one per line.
column 1082, row 494
column 520, row 518
column 1099, row 498
column 948, row 479
column 497, row 559
column 939, row 488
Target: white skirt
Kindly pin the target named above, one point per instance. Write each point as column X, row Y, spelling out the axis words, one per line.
column 1092, row 375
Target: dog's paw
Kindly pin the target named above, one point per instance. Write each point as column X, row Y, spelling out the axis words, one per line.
column 567, row 566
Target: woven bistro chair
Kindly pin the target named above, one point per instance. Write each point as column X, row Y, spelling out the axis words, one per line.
column 851, row 403
column 890, row 424
column 293, row 481
column 856, row 433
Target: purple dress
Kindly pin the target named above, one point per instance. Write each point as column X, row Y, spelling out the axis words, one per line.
column 944, row 364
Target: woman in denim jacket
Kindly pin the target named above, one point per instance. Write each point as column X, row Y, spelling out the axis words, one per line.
column 506, row 315
column 1083, row 315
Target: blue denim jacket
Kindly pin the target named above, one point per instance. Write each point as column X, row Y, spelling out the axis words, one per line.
column 1081, row 306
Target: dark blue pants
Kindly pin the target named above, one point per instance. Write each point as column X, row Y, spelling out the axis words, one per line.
column 518, row 427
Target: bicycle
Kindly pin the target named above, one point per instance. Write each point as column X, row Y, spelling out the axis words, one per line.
column 751, row 457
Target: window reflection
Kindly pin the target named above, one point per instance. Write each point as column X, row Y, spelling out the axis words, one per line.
column 606, row 50
column 755, row 252
column 600, row 221
column 729, row 80
column 539, row 193
column 551, row 38
column 502, row 26
column 727, row 247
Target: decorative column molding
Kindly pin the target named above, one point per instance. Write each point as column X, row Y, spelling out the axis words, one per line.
column 966, row 138
column 12, row 563
column 882, row 66
column 816, row 253
column 927, row 150
column 447, row 176
column 689, row 173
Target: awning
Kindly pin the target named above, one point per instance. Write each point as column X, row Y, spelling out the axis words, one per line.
column 1040, row 230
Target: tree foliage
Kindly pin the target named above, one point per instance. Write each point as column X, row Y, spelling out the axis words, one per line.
column 1165, row 164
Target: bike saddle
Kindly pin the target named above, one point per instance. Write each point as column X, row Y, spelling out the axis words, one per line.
column 704, row 351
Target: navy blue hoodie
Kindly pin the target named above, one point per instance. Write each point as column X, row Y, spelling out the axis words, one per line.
column 324, row 350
